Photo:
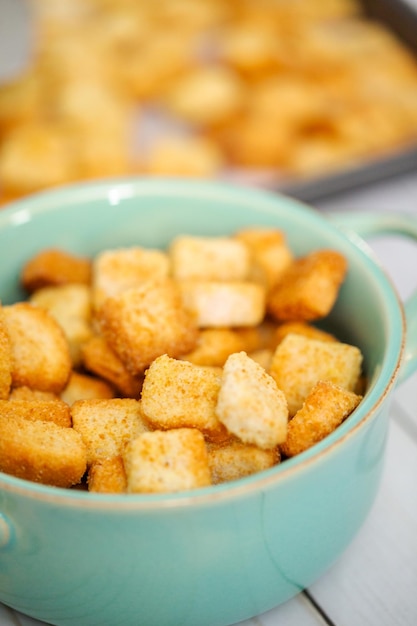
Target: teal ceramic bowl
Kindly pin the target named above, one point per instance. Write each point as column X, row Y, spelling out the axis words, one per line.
column 228, row 552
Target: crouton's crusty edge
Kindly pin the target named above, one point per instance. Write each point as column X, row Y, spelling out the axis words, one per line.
column 107, row 476
column 41, row 451
column 56, row 411
column 235, row 460
column 53, row 266
column 324, row 409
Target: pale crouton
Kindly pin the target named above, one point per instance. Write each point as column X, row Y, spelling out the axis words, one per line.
column 70, row 305
column 324, row 409
column 5, row 359
column 40, row 351
column 55, row 411
column 98, row 358
column 107, row 476
column 167, row 461
column 55, row 267
column 142, row 323
column 85, row 387
column 214, row 345
column 236, row 460
column 250, row 404
column 179, row 394
column 115, row 271
column 270, row 253
column 299, row 363
column 208, row 258
column 41, row 451
column 309, row 287
column 221, row 304
column 300, row 328
column 106, row 426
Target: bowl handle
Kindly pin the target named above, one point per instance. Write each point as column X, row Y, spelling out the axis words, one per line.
column 367, row 225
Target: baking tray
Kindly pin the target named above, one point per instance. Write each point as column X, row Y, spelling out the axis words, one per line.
column 401, row 18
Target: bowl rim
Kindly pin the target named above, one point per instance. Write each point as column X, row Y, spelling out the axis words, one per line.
column 119, row 189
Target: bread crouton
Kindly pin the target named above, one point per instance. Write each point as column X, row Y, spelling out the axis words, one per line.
column 324, row 409
column 214, row 345
column 167, row 461
column 40, row 351
column 309, row 287
column 142, row 323
column 270, row 253
column 115, row 271
column 26, row 393
column 179, row 394
column 98, row 358
column 53, row 266
column 5, row 359
column 70, row 305
column 106, row 426
column 250, row 404
column 300, row 328
column 107, row 476
column 221, row 304
column 55, row 411
column 208, row 258
column 236, row 460
column 262, row 357
column 299, row 363
column 41, row 451
column 85, row 387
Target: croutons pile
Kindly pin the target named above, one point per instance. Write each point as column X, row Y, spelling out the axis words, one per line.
column 150, row 371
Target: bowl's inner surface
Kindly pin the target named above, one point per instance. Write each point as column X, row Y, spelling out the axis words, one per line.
column 90, row 218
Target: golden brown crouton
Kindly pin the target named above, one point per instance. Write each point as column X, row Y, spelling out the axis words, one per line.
column 115, row 271
column 214, row 345
column 142, row 323
column 300, row 362
column 26, row 393
column 40, row 352
column 262, row 357
column 324, row 409
column 179, row 394
column 70, row 305
column 309, row 287
column 55, row 267
column 106, row 426
column 85, row 387
column 41, row 451
column 55, row 411
column 300, row 328
column 107, row 476
column 221, row 304
column 250, row 404
column 208, row 258
column 235, row 460
column 167, row 461
column 270, row 254
column 5, row 359
column 98, row 358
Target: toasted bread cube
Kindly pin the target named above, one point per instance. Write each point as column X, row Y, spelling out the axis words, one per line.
column 324, row 409
column 53, row 266
column 262, row 357
column 115, row 271
column 5, row 359
column 142, row 323
column 85, row 387
column 98, row 358
column 178, row 394
column 26, row 393
column 70, row 305
column 220, row 304
column 106, row 426
column 188, row 155
column 299, row 363
column 107, row 476
column 250, row 404
column 214, row 345
column 236, row 460
column 55, row 411
column 41, row 451
column 208, row 258
column 300, row 328
column 40, row 351
column 167, row 461
column 270, row 254
column 309, row 287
